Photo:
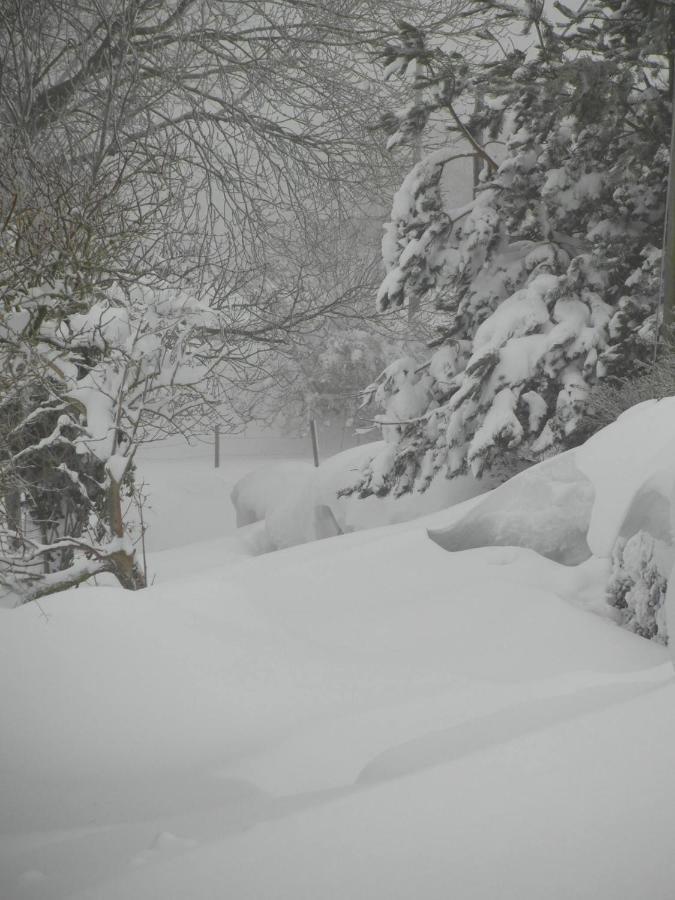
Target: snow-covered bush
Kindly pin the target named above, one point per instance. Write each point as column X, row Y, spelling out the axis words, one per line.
column 547, row 282
column 637, row 587
column 110, row 368
column 39, row 493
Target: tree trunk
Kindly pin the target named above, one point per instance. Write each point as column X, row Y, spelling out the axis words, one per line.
column 12, row 498
column 123, row 563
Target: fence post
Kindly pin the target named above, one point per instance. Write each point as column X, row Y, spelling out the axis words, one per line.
column 216, row 447
column 315, row 441
column 145, row 559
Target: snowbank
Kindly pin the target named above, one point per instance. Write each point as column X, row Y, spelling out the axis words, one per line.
column 335, row 720
column 628, row 461
column 302, row 504
column 367, row 718
column 546, row 508
column 261, row 491
column 613, row 497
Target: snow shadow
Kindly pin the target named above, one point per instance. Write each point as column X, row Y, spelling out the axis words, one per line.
column 530, row 717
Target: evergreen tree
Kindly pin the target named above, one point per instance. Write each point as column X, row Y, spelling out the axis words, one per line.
column 548, row 281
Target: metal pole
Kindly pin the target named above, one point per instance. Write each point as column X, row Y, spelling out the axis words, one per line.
column 216, row 449
column 315, row 441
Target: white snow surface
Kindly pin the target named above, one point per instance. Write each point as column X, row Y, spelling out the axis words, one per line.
column 546, row 508
column 634, row 455
column 621, row 481
column 260, row 491
column 366, row 717
column 297, row 503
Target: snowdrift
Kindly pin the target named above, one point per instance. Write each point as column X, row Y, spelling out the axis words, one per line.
column 616, row 491
column 349, row 718
column 261, row 491
column 619, row 482
column 368, row 718
column 611, row 499
column 299, row 503
column 546, row 508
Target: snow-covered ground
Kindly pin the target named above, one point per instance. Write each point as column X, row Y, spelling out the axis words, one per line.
column 368, row 717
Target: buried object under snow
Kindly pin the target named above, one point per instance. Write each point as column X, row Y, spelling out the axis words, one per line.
column 612, row 498
column 546, row 508
column 620, row 482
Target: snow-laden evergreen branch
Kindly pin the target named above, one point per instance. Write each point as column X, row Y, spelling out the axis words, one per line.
column 547, row 282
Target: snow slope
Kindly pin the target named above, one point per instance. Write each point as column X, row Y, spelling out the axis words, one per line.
column 367, row 717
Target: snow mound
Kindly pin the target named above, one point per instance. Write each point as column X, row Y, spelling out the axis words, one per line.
column 301, row 504
column 630, row 463
column 355, row 514
column 267, row 488
column 620, row 482
column 268, row 713
column 612, row 498
column 281, row 726
column 546, row 508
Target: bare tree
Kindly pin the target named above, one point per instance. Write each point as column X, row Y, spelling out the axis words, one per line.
column 166, row 167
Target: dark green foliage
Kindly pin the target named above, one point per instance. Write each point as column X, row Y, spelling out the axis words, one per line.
column 550, row 279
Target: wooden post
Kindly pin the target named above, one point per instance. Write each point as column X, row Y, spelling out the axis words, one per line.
column 145, row 559
column 315, row 441
column 216, row 448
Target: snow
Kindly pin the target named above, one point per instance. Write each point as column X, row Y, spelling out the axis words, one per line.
column 404, row 389
column 365, row 717
column 546, row 508
column 100, row 325
column 619, row 483
column 518, row 315
column 500, row 421
column 116, row 465
column 259, row 492
column 189, row 500
column 297, row 503
column 645, row 433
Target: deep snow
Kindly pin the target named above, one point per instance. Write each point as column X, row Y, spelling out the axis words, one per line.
column 366, row 717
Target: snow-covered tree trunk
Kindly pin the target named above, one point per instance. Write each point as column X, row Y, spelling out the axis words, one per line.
column 123, row 561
